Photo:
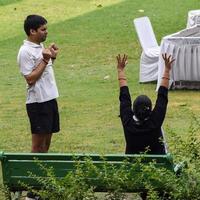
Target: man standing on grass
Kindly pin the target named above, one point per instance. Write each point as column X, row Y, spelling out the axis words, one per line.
column 142, row 124
column 36, row 65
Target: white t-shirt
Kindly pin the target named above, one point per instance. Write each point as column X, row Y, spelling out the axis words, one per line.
column 45, row 89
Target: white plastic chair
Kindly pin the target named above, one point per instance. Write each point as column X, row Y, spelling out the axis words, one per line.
column 151, row 50
column 193, row 18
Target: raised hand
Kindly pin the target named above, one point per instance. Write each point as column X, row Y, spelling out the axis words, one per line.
column 168, row 61
column 121, row 62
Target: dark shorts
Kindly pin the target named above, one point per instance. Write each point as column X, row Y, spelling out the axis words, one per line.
column 43, row 117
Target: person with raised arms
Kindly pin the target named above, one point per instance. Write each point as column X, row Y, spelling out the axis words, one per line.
column 141, row 123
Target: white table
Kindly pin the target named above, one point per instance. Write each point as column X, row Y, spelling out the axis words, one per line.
column 193, row 18
column 184, row 46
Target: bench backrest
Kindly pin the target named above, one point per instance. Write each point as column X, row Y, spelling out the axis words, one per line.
column 16, row 166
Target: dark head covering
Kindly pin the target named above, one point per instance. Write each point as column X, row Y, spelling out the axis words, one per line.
column 142, row 107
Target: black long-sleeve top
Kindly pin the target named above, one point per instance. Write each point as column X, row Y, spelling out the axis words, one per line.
column 148, row 135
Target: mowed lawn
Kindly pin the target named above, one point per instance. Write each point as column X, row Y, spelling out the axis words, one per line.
column 90, row 33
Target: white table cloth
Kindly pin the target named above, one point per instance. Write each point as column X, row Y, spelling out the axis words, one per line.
column 184, row 46
column 193, row 18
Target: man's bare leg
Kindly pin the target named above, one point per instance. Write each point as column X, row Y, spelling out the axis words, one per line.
column 38, row 143
column 47, row 141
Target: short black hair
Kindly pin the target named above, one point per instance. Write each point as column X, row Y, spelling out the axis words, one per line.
column 33, row 22
column 142, row 107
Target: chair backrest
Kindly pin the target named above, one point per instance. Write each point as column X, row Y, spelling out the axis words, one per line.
column 145, row 33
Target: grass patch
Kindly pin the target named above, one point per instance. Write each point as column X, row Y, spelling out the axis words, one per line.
column 6, row 2
column 90, row 34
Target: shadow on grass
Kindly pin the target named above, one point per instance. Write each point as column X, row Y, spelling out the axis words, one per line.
column 94, row 38
column 6, row 2
column 111, row 23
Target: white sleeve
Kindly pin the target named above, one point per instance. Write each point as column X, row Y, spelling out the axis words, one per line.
column 26, row 62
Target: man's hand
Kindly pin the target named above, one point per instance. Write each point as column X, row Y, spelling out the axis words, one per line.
column 121, row 62
column 46, row 53
column 54, row 50
column 168, row 61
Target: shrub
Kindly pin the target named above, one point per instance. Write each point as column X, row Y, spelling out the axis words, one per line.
column 159, row 183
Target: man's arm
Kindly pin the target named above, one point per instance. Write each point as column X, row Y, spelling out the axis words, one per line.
column 37, row 72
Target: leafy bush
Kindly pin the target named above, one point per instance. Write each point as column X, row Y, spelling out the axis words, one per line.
column 187, row 147
column 159, row 183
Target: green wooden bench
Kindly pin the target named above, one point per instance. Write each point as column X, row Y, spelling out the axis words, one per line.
column 16, row 166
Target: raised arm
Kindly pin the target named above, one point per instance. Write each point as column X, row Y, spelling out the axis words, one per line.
column 121, row 64
column 124, row 96
column 160, row 108
column 166, row 75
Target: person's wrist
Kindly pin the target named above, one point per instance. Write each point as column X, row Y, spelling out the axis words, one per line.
column 166, row 77
column 166, row 73
column 53, row 57
column 122, row 78
column 120, row 70
column 45, row 61
column 167, row 70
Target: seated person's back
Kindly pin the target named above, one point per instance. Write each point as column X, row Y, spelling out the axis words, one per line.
column 142, row 125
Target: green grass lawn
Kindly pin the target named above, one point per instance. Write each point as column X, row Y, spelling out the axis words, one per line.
column 90, row 33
